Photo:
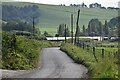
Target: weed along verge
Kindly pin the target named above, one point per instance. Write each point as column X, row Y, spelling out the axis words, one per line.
column 21, row 52
column 99, row 63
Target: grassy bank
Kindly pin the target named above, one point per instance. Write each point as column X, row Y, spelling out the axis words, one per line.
column 105, row 67
column 22, row 54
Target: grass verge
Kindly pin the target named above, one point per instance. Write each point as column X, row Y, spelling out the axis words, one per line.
column 105, row 68
column 22, row 53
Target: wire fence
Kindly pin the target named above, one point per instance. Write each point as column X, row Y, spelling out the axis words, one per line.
column 99, row 52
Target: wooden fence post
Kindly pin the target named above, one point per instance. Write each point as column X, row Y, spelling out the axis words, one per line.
column 83, row 45
column 102, row 53
column 95, row 55
column 87, row 47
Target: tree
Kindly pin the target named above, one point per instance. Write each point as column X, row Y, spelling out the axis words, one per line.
column 89, row 29
column 56, row 35
column 37, row 31
column 13, row 13
column 61, row 30
column 84, row 32
column 106, row 29
column 67, row 32
column 100, row 29
column 94, row 27
column 46, row 33
column 19, row 26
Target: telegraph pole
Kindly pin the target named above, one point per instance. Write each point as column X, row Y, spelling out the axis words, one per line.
column 77, row 26
column 71, row 28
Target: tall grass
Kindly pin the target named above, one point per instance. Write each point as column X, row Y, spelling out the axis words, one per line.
column 24, row 55
column 104, row 68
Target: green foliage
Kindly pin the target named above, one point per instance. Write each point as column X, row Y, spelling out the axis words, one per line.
column 105, row 68
column 85, row 40
column 37, row 31
column 61, row 14
column 94, row 27
column 47, row 34
column 25, row 33
column 106, row 29
column 37, row 37
column 20, row 28
column 67, row 32
column 114, row 22
column 61, row 30
column 17, row 25
column 84, row 31
column 25, row 13
column 24, row 55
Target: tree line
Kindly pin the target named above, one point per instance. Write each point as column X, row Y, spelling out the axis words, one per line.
column 62, row 31
column 92, row 5
column 19, row 27
column 25, row 13
column 95, row 28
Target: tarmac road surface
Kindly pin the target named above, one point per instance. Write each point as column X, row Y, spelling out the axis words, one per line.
column 56, row 64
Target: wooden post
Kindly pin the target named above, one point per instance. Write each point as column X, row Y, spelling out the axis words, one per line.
column 65, row 33
column 95, row 55
column 83, row 45
column 71, row 28
column 93, row 50
column 77, row 26
column 87, row 47
column 102, row 53
column 33, row 26
column 57, row 35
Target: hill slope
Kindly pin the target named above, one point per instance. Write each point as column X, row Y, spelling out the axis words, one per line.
column 53, row 15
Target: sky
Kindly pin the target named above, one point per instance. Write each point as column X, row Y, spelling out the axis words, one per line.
column 105, row 3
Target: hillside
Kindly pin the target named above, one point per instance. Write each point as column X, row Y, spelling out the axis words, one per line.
column 53, row 15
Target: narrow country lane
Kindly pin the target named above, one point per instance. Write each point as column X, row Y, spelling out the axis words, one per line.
column 56, row 64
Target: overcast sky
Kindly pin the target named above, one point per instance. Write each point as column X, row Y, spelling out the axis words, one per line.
column 106, row 3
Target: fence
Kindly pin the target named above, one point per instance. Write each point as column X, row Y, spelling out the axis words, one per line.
column 98, row 51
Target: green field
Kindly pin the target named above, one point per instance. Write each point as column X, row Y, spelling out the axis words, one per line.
column 53, row 15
